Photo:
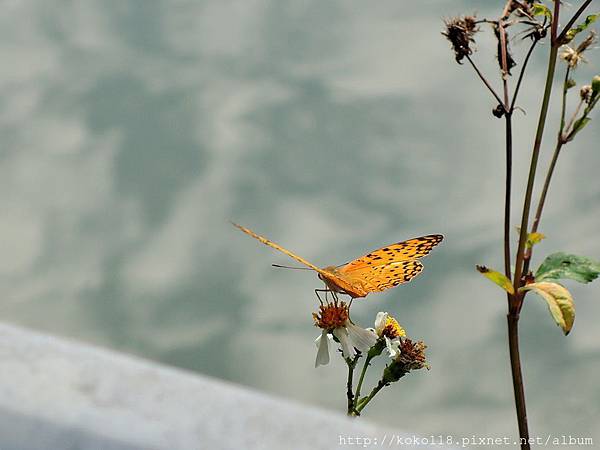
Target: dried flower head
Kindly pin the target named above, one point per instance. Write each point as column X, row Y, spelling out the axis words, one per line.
column 411, row 357
column 586, row 93
column 591, row 39
column 574, row 56
column 460, row 32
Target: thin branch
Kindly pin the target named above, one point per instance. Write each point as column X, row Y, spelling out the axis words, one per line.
column 485, row 81
column 361, row 379
column 538, row 213
column 504, row 53
column 522, row 73
column 507, row 196
column 351, row 362
column 563, row 109
column 508, row 141
column 572, row 120
column 557, row 148
column 570, row 23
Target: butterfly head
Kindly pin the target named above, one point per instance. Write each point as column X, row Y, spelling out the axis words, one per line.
column 332, row 282
column 329, row 269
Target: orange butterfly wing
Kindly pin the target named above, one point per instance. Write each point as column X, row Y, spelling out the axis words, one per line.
column 390, row 266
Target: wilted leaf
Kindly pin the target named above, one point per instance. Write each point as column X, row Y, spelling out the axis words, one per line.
column 559, row 300
column 542, row 10
column 579, row 28
column 560, row 265
column 534, row 238
column 499, row 278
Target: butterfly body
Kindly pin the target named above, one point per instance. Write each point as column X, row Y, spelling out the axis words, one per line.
column 377, row 271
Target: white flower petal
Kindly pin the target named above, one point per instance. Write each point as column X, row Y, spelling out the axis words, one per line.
column 380, row 321
column 361, row 338
column 347, row 348
column 393, row 347
column 322, row 349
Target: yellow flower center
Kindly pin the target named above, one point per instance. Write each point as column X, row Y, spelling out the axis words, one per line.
column 392, row 329
column 331, row 315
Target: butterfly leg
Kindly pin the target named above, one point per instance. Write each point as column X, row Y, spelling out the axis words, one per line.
column 334, row 295
column 319, row 297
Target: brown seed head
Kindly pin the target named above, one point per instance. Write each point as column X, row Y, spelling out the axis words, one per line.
column 412, row 355
column 591, row 39
column 460, row 31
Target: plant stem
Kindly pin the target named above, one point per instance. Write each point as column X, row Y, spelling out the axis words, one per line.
column 380, row 385
column 351, row 365
column 562, row 138
column 535, row 155
column 517, row 299
column 361, row 379
column 508, row 139
column 559, row 144
column 540, row 207
column 563, row 108
column 517, row 376
column 507, row 194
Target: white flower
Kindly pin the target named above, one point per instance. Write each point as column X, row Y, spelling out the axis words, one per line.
column 380, row 321
column 349, row 335
column 363, row 339
column 389, row 328
column 322, row 343
column 392, row 346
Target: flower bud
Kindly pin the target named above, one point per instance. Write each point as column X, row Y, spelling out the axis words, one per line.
column 596, row 85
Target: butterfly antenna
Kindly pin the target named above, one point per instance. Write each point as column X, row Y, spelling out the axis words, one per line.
column 279, row 266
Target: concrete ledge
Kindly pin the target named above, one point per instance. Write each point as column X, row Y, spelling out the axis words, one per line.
column 57, row 394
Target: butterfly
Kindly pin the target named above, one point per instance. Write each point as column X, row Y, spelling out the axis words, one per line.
column 376, row 271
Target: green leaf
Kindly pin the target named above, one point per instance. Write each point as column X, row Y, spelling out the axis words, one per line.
column 534, row 238
column 579, row 28
column 542, row 10
column 560, row 266
column 571, row 83
column 499, row 278
column 559, row 300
